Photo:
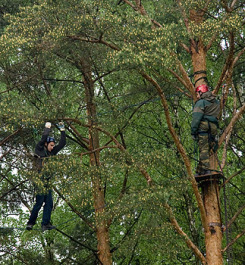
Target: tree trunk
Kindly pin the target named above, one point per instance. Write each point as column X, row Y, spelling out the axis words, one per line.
column 210, row 189
column 198, row 55
column 213, row 237
column 102, row 231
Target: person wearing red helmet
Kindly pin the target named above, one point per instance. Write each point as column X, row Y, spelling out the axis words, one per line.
column 204, row 126
column 45, row 148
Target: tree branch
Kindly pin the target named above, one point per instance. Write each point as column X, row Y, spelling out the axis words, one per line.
column 177, row 87
column 76, row 241
column 237, row 173
column 186, row 21
column 79, row 137
column 187, row 80
column 98, row 149
column 127, row 233
column 180, row 148
column 140, row 8
column 94, row 40
column 179, row 230
column 4, row 154
column 231, row 124
column 19, row 194
column 14, row 187
column 178, row 77
column 235, row 217
column 223, row 20
column 237, row 57
column 186, row 48
column 8, row 137
column 229, row 134
column 228, row 64
column 73, row 208
column 121, row 147
column 233, row 241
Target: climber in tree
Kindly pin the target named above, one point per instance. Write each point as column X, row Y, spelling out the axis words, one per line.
column 44, row 149
column 204, row 126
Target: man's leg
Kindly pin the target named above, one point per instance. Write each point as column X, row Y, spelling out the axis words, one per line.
column 203, row 153
column 36, row 208
column 47, row 209
column 213, row 145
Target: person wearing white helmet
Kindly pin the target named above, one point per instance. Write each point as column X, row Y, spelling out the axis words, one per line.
column 45, row 148
column 204, row 126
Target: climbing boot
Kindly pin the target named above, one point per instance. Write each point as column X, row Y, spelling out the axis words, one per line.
column 48, row 227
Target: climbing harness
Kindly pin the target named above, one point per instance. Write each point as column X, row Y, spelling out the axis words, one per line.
column 203, row 77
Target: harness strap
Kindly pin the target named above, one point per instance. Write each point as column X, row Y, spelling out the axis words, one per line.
column 198, row 72
column 202, row 133
column 215, row 224
column 203, row 77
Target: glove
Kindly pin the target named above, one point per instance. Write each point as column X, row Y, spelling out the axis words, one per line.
column 194, row 137
column 48, row 125
column 61, row 126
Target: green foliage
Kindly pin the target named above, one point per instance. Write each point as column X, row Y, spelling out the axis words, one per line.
column 42, row 51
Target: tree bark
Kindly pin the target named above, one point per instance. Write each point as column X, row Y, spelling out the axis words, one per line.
column 213, row 236
column 102, row 230
column 198, row 55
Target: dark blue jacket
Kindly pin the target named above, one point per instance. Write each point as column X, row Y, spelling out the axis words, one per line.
column 42, row 152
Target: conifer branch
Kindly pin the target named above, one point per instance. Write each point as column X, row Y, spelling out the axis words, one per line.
column 233, row 219
column 73, row 208
column 9, row 136
column 228, row 66
column 180, row 148
column 188, row 241
column 232, row 176
column 233, row 241
column 140, row 8
column 231, row 124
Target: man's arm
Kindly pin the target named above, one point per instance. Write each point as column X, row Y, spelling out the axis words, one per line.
column 41, row 143
column 62, row 141
column 197, row 116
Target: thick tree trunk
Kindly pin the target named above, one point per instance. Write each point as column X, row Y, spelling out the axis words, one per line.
column 102, row 231
column 213, row 237
column 210, row 189
column 198, row 55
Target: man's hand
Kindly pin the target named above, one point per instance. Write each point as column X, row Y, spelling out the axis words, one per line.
column 61, row 126
column 48, row 125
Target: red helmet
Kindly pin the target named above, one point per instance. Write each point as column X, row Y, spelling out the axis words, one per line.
column 202, row 88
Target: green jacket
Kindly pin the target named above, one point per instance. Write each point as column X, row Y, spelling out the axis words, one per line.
column 206, row 109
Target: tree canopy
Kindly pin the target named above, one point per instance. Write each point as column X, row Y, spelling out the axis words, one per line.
column 122, row 77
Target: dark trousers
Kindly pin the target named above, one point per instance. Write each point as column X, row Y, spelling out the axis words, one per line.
column 47, row 209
